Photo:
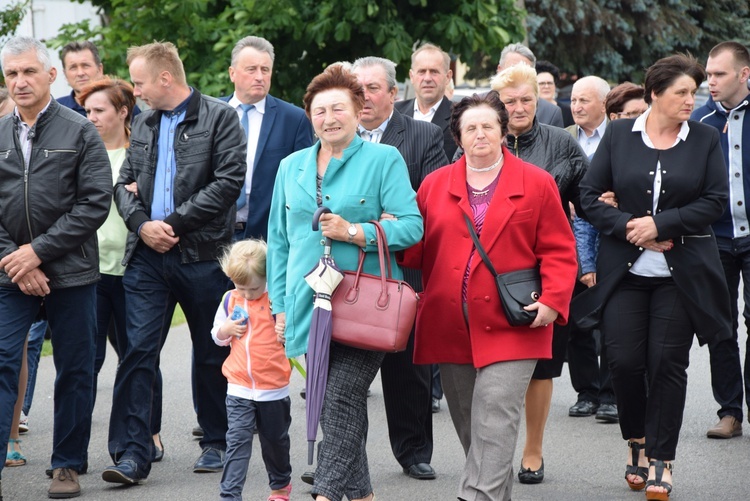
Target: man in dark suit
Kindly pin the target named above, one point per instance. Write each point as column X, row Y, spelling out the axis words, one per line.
column 274, row 130
column 406, row 387
column 430, row 75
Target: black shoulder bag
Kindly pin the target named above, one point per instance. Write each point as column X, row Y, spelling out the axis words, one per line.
column 516, row 288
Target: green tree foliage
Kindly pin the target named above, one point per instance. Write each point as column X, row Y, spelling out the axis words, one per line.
column 10, row 17
column 619, row 39
column 307, row 34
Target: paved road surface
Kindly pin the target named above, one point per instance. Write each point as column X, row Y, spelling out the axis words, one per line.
column 583, row 459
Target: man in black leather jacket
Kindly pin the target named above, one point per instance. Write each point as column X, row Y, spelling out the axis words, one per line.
column 187, row 160
column 55, row 191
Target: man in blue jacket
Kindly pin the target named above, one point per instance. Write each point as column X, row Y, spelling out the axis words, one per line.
column 728, row 70
column 274, row 130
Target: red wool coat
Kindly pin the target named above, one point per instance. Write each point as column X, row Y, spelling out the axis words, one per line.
column 525, row 225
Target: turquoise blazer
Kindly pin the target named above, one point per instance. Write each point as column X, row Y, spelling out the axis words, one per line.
column 368, row 180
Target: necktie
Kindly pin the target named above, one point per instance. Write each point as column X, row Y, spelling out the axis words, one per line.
column 242, row 200
column 244, row 121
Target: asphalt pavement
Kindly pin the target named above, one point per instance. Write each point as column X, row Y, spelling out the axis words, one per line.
column 583, row 459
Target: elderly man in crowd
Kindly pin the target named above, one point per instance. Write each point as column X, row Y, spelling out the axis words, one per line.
column 55, row 191
column 406, row 386
column 590, row 379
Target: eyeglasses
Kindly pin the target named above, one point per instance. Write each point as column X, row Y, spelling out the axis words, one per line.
column 544, row 84
column 630, row 114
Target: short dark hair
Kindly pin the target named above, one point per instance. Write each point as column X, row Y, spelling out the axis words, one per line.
column 621, row 94
column 78, row 47
column 666, row 70
column 547, row 67
column 740, row 53
column 335, row 77
column 491, row 99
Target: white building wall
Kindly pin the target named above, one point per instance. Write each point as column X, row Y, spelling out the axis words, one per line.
column 44, row 19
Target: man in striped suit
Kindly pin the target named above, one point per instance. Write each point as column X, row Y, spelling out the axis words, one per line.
column 406, row 387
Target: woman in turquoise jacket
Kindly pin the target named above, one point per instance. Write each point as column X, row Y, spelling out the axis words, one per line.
column 359, row 181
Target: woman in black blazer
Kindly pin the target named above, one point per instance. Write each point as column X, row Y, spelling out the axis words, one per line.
column 660, row 277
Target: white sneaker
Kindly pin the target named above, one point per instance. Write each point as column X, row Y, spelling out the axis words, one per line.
column 23, row 424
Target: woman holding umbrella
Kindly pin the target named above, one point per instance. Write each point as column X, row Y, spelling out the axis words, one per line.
column 359, row 181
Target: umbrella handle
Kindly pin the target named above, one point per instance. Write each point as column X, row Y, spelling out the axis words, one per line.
column 316, row 219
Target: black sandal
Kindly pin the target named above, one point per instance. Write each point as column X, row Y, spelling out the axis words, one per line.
column 659, row 466
column 634, row 469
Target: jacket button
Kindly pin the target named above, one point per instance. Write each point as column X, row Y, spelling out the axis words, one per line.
column 736, row 117
column 640, row 248
column 739, row 202
column 650, row 173
column 648, row 212
column 736, row 146
column 328, row 197
column 487, row 298
column 372, row 241
column 736, row 174
column 362, row 201
column 671, row 269
column 322, row 241
column 648, row 192
column 630, row 264
column 488, row 328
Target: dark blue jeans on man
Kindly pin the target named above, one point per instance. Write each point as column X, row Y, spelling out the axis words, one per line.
column 71, row 315
column 154, row 283
column 726, row 369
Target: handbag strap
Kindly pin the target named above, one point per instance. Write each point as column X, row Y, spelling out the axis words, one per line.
column 478, row 246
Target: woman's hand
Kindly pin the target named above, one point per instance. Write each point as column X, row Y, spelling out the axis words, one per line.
column 544, row 314
column 609, row 198
column 588, row 279
column 132, row 188
column 641, row 230
column 336, row 227
column 280, row 327
column 232, row 328
column 659, row 246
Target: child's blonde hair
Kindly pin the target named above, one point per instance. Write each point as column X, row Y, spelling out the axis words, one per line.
column 244, row 260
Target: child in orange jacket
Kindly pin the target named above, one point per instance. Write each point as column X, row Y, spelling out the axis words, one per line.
column 257, row 373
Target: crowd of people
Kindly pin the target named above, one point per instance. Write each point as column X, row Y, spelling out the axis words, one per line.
column 624, row 212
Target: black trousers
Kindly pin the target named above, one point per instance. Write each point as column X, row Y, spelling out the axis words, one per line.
column 590, row 379
column 648, row 341
column 408, row 406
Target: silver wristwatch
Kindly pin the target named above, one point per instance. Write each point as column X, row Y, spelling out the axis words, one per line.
column 352, row 231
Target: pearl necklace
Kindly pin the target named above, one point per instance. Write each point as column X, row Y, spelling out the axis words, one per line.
column 486, row 169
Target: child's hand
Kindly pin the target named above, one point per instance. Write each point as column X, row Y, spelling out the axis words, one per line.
column 232, row 328
column 280, row 327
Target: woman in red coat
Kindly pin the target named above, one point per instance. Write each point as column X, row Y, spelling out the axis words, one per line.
column 486, row 364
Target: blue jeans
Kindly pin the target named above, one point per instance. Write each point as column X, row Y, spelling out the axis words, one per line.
column 33, row 353
column 110, row 323
column 71, row 314
column 154, row 283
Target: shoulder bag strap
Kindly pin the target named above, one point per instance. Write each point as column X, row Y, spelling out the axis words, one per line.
column 478, row 246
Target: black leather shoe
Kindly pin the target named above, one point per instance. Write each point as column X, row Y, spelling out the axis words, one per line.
column 420, row 471
column 125, row 472
column 158, row 453
column 583, row 408
column 607, row 413
column 198, row 432
column 308, row 477
column 211, row 461
column 435, row 405
column 529, row 476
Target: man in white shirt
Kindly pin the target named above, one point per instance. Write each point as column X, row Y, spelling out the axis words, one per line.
column 430, row 74
column 274, row 130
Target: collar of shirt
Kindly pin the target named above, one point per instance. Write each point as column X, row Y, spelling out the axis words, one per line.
column 380, row 127
column 260, row 106
column 640, row 126
column 599, row 131
column 180, row 108
column 44, row 110
column 418, row 115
